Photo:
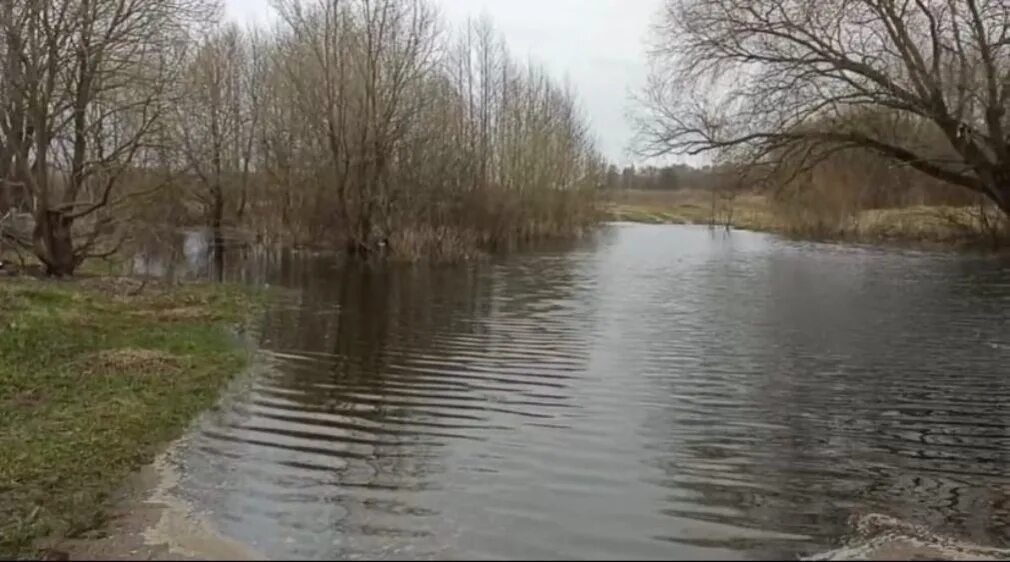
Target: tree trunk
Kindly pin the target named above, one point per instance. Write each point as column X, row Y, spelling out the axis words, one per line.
column 54, row 243
column 6, row 195
column 216, row 223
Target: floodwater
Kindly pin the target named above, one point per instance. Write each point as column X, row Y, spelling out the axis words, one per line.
column 650, row 392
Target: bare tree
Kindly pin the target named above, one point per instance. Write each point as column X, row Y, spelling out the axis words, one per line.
column 354, row 123
column 357, row 62
column 216, row 126
column 85, row 89
column 772, row 80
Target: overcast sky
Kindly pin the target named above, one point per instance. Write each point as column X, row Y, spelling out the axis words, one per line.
column 597, row 44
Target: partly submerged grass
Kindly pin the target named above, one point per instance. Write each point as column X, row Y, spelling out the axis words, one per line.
column 748, row 212
column 95, row 376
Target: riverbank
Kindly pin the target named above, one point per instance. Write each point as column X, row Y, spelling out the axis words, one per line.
column 918, row 225
column 749, row 212
column 96, row 376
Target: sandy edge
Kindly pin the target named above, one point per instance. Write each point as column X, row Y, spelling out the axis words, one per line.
column 150, row 521
column 882, row 537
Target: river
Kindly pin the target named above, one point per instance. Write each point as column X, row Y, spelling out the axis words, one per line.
column 650, row 392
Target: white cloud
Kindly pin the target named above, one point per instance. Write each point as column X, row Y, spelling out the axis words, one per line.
column 251, row 11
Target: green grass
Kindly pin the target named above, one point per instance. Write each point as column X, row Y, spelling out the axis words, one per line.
column 93, row 383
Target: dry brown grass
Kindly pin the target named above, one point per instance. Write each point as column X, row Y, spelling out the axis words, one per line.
column 938, row 224
column 133, row 361
column 812, row 216
column 437, row 244
column 744, row 211
column 119, row 286
column 177, row 314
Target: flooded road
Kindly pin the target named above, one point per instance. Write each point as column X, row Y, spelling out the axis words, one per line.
column 653, row 392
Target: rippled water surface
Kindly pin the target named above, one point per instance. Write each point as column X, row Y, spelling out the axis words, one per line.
column 654, row 392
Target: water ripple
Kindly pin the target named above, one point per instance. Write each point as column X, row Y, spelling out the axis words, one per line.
column 658, row 392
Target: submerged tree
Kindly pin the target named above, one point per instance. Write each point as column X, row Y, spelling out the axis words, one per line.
column 416, row 139
column 791, row 80
column 215, row 125
column 358, row 65
column 356, row 124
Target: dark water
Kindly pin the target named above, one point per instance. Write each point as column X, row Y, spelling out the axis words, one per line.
column 655, row 392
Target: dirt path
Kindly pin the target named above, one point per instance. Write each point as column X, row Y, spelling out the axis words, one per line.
column 150, row 522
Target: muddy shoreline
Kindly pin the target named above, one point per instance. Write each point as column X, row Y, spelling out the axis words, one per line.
column 149, row 520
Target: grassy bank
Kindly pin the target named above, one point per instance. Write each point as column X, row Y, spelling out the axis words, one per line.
column 943, row 225
column 96, row 376
column 750, row 212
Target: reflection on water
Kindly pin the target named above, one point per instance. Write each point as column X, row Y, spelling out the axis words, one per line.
column 655, row 392
column 185, row 254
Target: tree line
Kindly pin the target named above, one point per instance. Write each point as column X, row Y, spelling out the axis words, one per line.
column 661, row 178
column 365, row 125
column 893, row 93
